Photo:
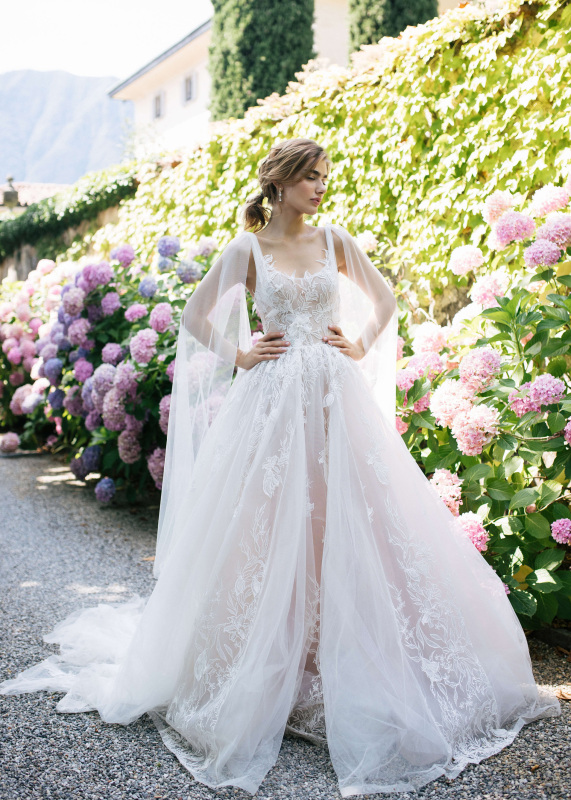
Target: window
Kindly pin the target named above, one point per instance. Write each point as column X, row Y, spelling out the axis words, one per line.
column 158, row 105
column 189, row 89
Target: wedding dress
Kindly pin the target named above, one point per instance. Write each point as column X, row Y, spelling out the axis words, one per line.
column 310, row 580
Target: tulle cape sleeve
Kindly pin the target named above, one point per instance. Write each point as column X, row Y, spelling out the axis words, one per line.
column 214, row 324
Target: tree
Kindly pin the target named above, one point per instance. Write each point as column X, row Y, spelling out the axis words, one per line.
column 370, row 20
column 256, row 49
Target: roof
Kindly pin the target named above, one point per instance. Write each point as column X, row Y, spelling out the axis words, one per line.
column 162, row 57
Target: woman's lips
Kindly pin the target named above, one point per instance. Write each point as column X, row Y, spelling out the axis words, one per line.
column 317, row 202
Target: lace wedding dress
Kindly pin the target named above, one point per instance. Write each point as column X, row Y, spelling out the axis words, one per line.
column 322, row 590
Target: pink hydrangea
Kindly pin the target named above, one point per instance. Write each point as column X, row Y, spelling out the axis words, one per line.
column 367, row 241
column 495, row 205
column 14, row 355
column 156, row 465
column 450, row 399
column 170, row 370
column 422, row 404
column 561, row 531
column 547, row 199
column 164, row 411
column 82, row 370
column 400, row 347
column 542, row 253
column 23, row 312
column 206, row 246
column 449, row 488
column 161, row 317
column 557, row 228
column 475, row 429
column 125, row 379
column 73, row 300
column 112, row 353
column 45, row 266
column 78, row 330
column 93, row 420
column 16, row 378
column 143, row 345
column 479, row 368
column 465, row 258
column 9, row 442
column 546, row 390
column 123, row 253
column 567, row 432
column 135, row 312
column 520, row 401
column 471, row 526
column 429, row 338
column 18, row 398
column 487, row 287
column 427, row 365
column 110, row 303
column 405, row 378
column 401, row 425
column 513, row 226
column 113, row 411
column 133, row 424
column 129, row 447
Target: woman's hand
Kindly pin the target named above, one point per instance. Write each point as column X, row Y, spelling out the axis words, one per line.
column 269, row 346
column 353, row 349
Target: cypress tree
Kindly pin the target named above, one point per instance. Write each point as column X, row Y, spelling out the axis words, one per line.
column 370, row 20
column 256, row 48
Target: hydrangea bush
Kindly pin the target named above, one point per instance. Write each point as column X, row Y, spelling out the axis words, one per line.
column 485, row 402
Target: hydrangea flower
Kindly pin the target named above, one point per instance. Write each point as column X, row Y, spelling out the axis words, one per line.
column 72, row 301
column 495, row 205
column 488, row 287
column 475, row 429
column 156, row 465
column 73, row 402
column 78, row 330
column 112, row 353
column 129, row 447
column 135, row 312
column 168, row 246
column 110, row 303
column 9, row 442
column 161, row 317
column 82, row 370
column 170, row 370
column 450, row 399
column 105, row 490
column 429, row 338
column 400, row 346
column 401, row 425
column 471, row 526
column 53, row 369
column 479, row 368
column 513, row 226
column 143, row 345
column 557, row 229
column 465, row 258
column 103, row 378
column 124, row 254
column 561, row 531
column 18, row 398
column 78, row 467
column 113, row 411
column 56, row 398
column 547, row 199
column 542, row 253
column 427, row 365
column 166, row 264
column 31, row 402
column 367, row 241
column 91, row 457
column 189, row 271
column 449, row 488
column 520, row 401
column 546, row 390
column 93, row 420
column 148, row 286
column 567, row 432
column 164, row 411
column 125, row 380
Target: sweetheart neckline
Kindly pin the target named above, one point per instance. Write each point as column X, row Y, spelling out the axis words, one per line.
column 307, row 272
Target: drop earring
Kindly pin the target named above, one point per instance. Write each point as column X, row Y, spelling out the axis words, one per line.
column 279, row 195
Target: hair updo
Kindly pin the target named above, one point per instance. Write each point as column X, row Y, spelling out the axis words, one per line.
column 287, row 162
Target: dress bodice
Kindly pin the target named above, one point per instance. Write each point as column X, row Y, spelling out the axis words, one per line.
column 301, row 306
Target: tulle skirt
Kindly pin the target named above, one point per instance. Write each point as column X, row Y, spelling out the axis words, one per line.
column 317, row 586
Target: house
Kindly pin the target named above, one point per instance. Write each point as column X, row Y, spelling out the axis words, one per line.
column 171, row 93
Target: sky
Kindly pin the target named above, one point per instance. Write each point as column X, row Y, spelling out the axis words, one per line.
column 94, row 37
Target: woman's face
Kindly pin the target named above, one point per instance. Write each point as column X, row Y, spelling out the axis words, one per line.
column 305, row 196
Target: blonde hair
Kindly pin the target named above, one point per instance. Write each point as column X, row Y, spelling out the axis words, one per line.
column 287, row 162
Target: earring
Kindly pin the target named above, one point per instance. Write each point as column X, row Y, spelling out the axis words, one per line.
column 280, row 195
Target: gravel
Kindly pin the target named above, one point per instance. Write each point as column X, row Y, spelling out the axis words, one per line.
column 60, row 550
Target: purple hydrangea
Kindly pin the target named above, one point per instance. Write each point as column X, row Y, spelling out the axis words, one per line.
column 113, row 411
column 82, row 370
column 53, row 369
column 93, row 420
column 56, row 398
column 129, row 447
column 561, row 531
column 156, row 465
column 92, row 457
column 49, row 351
column 161, row 317
column 166, row 264
column 78, row 467
column 542, row 253
column 103, row 378
column 124, row 254
column 73, row 300
column 143, row 345
column 105, row 490
column 78, row 330
column 73, row 401
column 125, row 380
column 148, row 286
column 110, row 303
column 189, row 271
column 135, row 312
column 112, row 353
column 168, row 246
column 94, row 313
column 514, row 226
column 31, row 402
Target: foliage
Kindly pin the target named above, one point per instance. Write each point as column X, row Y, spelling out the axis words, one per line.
column 43, row 223
column 369, row 20
column 255, row 50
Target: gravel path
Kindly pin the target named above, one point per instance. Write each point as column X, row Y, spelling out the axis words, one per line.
column 60, row 549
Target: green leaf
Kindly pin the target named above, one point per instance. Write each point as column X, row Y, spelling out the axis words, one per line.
column 537, row 525
column 544, row 581
column 497, row 315
column 522, row 602
column 523, row 498
column 556, row 421
column 564, row 279
column 547, row 606
column 549, row 559
column 550, row 491
column 476, row 473
column 499, row 489
column 423, row 420
column 507, row 442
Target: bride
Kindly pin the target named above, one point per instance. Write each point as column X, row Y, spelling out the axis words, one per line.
column 309, row 579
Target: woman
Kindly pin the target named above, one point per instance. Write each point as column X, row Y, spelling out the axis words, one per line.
column 309, row 578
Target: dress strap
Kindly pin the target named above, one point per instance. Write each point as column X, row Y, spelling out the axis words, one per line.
column 330, row 243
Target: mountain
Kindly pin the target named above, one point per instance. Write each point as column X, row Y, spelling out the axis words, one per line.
column 55, row 126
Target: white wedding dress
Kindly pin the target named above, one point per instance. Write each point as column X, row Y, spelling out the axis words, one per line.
column 322, row 590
